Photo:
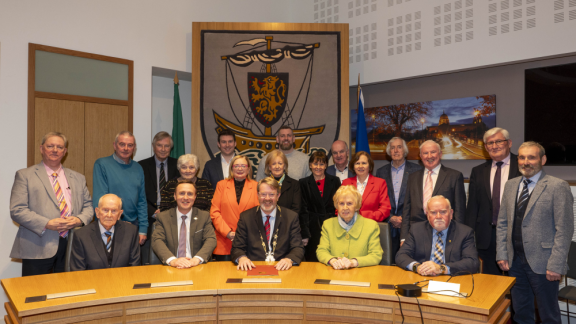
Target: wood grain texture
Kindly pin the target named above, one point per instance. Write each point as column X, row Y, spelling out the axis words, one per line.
column 50, row 95
column 66, row 117
column 197, row 27
column 31, row 149
column 102, row 123
column 11, row 313
column 297, row 298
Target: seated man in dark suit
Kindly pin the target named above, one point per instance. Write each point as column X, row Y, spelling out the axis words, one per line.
column 189, row 227
column 439, row 246
column 107, row 243
column 278, row 226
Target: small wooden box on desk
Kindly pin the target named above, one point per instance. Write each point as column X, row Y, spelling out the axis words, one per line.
column 210, row 299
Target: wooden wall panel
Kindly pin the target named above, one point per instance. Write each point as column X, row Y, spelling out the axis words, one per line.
column 66, row 117
column 102, row 123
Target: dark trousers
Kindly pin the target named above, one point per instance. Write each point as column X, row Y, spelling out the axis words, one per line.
column 488, row 256
column 55, row 264
column 145, row 249
column 395, row 246
column 529, row 284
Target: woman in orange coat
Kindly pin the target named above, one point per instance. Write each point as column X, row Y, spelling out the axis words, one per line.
column 232, row 196
column 374, row 191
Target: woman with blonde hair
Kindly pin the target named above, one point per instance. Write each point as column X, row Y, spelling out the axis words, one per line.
column 277, row 167
column 349, row 240
column 232, row 196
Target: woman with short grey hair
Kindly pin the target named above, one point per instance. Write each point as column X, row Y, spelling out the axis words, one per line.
column 188, row 166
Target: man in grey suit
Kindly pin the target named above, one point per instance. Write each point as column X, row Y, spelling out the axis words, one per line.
column 534, row 231
column 184, row 236
column 107, row 243
column 47, row 200
column 396, row 176
column 435, row 179
column 340, row 169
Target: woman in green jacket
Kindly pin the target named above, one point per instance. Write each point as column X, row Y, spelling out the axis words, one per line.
column 349, row 240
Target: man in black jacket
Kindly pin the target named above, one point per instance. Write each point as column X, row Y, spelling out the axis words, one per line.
column 218, row 168
column 484, row 198
column 158, row 169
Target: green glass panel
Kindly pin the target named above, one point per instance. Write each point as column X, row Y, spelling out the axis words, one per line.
column 65, row 74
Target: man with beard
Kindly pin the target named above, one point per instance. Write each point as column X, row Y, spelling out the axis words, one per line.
column 340, row 158
column 439, row 246
column 434, row 180
column 297, row 161
column 267, row 232
column 533, row 235
column 485, row 194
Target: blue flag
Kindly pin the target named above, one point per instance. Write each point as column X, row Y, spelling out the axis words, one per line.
column 361, row 132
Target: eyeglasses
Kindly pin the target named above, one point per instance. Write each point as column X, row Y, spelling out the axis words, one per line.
column 267, row 195
column 240, row 166
column 57, row 147
column 442, row 212
column 498, row 142
column 123, row 145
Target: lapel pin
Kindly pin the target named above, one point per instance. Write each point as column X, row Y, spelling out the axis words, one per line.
column 195, row 218
column 449, row 241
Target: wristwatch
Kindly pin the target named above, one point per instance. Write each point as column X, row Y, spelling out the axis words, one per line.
column 443, row 269
column 415, row 267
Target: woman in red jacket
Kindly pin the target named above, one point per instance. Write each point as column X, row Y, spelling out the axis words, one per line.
column 375, row 201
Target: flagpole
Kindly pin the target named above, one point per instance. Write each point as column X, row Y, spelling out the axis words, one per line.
column 358, row 92
column 176, row 81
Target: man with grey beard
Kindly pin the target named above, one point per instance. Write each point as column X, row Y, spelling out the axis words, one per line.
column 533, row 235
column 298, row 167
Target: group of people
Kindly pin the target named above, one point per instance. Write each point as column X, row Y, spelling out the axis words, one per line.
column 518, row 219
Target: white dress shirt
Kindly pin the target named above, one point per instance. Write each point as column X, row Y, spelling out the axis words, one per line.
column 272, row 222
column 504, row 172
column 361, row 186
column 225, row 167
column 434, row 176
column 179, row 224
column 343, row 175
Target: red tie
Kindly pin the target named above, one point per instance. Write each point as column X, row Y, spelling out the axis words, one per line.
column 267, row 228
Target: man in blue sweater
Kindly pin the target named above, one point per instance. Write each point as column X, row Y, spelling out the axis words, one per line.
column 120, row 175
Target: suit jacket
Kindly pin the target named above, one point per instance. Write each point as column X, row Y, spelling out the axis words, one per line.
column 89, row 252
column 213, row 171
column 315, row 208
column 547, row 227
column 151, row 183
column 33, row 203
column 165, row 237
column 225, row 210
column 479, row 209
column 450, row 184
column 331, row 170
column 459, row 251
column 251, row 227
column 375, row 202
column 290, row 194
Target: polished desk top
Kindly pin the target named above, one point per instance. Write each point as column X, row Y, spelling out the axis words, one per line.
column 115, row 285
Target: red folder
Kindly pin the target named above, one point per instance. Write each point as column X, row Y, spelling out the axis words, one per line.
column 263, row 270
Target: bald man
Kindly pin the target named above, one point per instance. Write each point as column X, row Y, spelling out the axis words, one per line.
column 107, row 243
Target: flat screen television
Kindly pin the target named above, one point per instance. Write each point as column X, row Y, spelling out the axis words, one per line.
column 550, row 111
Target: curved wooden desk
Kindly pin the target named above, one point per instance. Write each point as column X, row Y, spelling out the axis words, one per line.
column 297, row 299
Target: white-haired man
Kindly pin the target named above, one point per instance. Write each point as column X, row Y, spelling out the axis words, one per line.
column 340, row 169
column 435, row 179
column 485, row 193
column 396, row 175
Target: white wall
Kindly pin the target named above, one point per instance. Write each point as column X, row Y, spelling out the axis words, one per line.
column 151, row 33
column 163, row 104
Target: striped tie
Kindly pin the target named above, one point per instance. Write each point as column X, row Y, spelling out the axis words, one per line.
column 64, row 210
column 162, row 182
column 439, row 253
column 427, row 191
column 267, row 228
column 108, row 240
column 524, row 197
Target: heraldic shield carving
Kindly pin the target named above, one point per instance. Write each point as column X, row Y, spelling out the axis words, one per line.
column 267, row 93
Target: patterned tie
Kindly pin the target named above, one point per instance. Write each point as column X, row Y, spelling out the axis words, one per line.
column 108, row 240
column 162, row 176
column 439, row 253
column 524, row 197
column 496, row 192
column 427, row 190
column 182, row 239
column 64, row 210
column 267, row 228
